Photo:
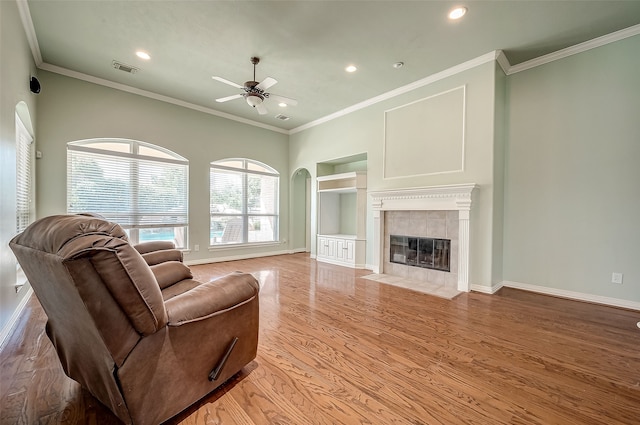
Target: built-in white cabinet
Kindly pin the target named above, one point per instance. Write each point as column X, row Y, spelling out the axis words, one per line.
column 342, row 203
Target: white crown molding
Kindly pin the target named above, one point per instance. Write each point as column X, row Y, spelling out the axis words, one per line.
column 580, row 296
column 502, row 60
column 465, row 66
column 155, row 96
column 497, row 55
column 27, row 24
column 573, row 50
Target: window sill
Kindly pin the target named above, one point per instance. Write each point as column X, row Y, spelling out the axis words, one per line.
column 244, row 245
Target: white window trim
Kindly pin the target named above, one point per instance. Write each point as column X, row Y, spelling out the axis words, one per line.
column 245, row 214
column 133, row 228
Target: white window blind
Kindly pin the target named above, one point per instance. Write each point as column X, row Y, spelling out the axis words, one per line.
column 243, row 202
column 142, row 187
column 24, row 177
column 25, row 206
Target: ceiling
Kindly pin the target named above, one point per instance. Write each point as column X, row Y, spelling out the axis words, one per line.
column 305, row 45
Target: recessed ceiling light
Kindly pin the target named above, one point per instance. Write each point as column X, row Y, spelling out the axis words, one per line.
column 143, row 55
column 351, row 68
column 282, row 105
column 457, row 13
column 398, row 65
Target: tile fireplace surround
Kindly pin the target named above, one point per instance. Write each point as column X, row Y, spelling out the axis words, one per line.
column 436, row 211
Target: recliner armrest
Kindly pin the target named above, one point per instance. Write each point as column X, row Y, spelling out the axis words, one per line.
column 156, row 252
column 151, row 246
column 170, row 272
column 212, row 298
column 164, row 255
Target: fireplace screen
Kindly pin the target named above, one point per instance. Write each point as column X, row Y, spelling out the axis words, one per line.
column 427, row 253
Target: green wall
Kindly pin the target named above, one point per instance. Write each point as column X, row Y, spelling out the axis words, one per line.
column 73, row 109
column 17, row 67
column 572, row 198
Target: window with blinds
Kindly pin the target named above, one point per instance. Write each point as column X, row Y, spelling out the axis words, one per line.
column 243, row 202
column 142, row 187
column 24, row 177
column 25, row 204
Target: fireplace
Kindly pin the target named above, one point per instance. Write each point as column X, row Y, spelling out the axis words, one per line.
column 447, row 209
column 427, row 253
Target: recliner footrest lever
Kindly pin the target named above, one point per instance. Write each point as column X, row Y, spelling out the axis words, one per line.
column 213, row 375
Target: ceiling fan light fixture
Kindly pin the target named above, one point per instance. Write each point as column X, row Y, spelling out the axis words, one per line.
column 254, row 100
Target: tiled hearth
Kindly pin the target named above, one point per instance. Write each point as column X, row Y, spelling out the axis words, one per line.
column 435, row 212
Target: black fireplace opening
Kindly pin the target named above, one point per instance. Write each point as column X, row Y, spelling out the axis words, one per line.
column 428, row 253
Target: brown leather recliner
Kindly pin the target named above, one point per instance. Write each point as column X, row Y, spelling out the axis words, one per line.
column 129, row 323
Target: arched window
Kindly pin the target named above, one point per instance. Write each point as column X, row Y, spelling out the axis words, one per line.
column 140, row 186
column 243, row 202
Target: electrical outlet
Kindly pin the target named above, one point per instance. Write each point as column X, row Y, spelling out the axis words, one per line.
column 196, row 247
column 616, row 278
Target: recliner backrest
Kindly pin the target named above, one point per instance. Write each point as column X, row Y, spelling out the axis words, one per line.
column 110, row 276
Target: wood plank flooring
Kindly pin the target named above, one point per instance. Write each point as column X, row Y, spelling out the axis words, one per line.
column 339, row 349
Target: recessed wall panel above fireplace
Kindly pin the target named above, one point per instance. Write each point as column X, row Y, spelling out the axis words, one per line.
column 438, row 147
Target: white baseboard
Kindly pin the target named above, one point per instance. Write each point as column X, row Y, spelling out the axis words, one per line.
column 598, row 299
column 487, row 289
column 8, row 328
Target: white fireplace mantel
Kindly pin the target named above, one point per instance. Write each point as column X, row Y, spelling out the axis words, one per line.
column 434, row 198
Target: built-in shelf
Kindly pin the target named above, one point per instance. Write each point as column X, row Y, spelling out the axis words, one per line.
column 343, row 182
column 342, row 203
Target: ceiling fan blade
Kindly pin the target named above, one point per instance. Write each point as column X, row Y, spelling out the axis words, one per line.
column 266, row 83
column 231, row 83
column 283, row 99
column 262, row 110
column 226, row 99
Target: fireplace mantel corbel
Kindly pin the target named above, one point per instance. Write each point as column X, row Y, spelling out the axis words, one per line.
column 434, row 198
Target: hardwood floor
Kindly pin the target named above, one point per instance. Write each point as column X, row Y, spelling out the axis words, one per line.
column 339, row 349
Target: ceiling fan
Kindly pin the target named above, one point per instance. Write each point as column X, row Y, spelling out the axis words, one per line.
column 254, row 92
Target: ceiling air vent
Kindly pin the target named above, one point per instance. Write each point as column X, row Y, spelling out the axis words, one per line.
column 123, row 67
column 282, row 117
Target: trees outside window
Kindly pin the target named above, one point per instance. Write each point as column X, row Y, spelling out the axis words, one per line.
column 142, row 187
column 243, row 202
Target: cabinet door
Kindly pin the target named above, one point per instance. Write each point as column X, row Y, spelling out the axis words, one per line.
column 349, row 252
column 341, row 248
column 331, row 248
column 323, row 247
column 345, row 250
